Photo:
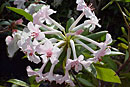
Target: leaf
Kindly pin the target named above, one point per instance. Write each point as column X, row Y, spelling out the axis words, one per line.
column 21, row 12
column 126, row 11
column 85, row 82
column 126, row 56
column 69, row 23
column 122, row 45
column 124, row 32
column 97, row 35
column 123, row 0
column 107, row 5
column 18, row 82
column 92, row 70
column 4, row 23
column 110, row 63
column 107, row 75
column 113, row 53
column 122, row 39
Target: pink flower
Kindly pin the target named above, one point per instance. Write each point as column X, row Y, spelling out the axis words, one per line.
column 29, row 48
column 83, row 7
column 42, row 15
column 12, row 42
column 93, row 21
column 66, row 79
column 20, row 3
column 48, row 51
column 36, row 33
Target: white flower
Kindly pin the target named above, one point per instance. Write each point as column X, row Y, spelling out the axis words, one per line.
column 20, row 3
column 42, row 15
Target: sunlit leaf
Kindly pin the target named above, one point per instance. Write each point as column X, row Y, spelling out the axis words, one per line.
column 123, row 46
column 107, row 75
column 22, row 12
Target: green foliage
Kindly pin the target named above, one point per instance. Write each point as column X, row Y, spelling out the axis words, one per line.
column 22, row 12
column 69, row 23
column 107, row 75
column 110, row 63
column 85, row 82
column 18, row 82
column 123, row 0
column 96, row 36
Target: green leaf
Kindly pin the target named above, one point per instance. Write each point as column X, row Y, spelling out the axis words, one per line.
column 126, row 56
column 85, row 82
column 122, row 39
column 92, row 70
column 107, row 5
column 123, row 0
column 107, row 75
column 124, row 32
column 22, row 12
column 18, row 82
column 126, row 11
column 110, row 63
column 97, row 35
column 69, row 23
column 4, row 23
column 122, row 45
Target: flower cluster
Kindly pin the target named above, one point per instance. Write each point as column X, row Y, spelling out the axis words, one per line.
column 36, row 42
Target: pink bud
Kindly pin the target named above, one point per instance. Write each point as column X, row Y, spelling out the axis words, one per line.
column 78, row 32
column 20, row 21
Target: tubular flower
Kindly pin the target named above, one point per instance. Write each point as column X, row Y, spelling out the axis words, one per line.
column 20, row 3
column 47, row 45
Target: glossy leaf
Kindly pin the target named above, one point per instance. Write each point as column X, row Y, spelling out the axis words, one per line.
column 18, row 82
column 69, row 23
column 22, row 12
column 97, row 35
column 107, row 75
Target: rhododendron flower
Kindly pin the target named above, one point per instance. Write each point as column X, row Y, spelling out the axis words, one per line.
column 20, row 3
column 42, row 15
column 43, row 43
column 35, row 32
column 11, row 42
column 29, row 49
column 48, row 51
